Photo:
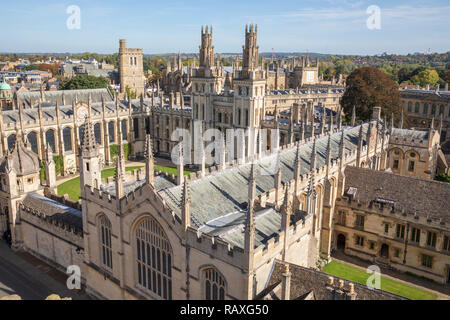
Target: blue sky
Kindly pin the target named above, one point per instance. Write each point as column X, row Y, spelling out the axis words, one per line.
column 324, row 26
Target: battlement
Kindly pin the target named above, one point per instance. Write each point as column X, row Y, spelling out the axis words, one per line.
column 51, row 220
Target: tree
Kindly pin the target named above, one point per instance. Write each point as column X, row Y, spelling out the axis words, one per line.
column 426, row 77
column 84, row 82
column 367, row 88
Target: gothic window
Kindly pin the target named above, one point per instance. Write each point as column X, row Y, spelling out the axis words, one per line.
column 154, row 259
column 214, row 285
column 136, row 128
column 98, row 133
column 67, row 139
column 411, row 166
column 111, row 132
column 124, row 129
column 81, row 134
column 32, row 140
column 410, row 106
column 105, row 241
column 50, row 139
column 11, row 141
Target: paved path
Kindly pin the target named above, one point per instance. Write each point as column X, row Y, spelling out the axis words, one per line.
column 441, row 291
column 31, row 278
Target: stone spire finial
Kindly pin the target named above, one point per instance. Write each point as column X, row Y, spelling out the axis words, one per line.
column 119, row 179
column 440, row 124
column 249, row 240
column 286, row 208
column 180, row 165
column 354, row 116
column 330, row 129
column 313, row 157
column 186, row 205
column 149, row 161
column 342, row 146
column 322, row 121
column 89, row 143
column 401, row 120
column 392, row 122
column 329, row 150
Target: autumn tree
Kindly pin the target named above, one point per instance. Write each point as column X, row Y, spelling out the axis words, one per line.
column 367, row 88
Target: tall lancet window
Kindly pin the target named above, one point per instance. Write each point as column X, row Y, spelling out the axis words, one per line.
column 214, row 285
column 154, row 259
column 105, row 242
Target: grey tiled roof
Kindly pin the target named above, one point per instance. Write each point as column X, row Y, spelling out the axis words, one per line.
column 225, row 192
column 54, row 209
column 414, row 195
column 410, row 134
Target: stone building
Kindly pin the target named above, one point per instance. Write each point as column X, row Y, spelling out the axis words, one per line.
column 416, row 153
column 131, row 69
column 423, row 106
column 395, row 221
column 6, row 96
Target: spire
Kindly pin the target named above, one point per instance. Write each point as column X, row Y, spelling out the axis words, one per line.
column 313, row 157
column 286, row 208
column 249, row 241
column 180, row 166
column 186, row 205
column 354, row 116
column 440, row 124
column 277, row 181
column 322, row 121
column 89, row 143
column 223, row 156
column 119, row 179
column 392, row 122
column 329, row 150
column 330, row 129
column 342, row 150
column 149, row 161
column 432, row 124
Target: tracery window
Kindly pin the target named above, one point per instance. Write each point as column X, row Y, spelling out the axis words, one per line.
column 214, row 285
column 154, row 259
column 105, row 241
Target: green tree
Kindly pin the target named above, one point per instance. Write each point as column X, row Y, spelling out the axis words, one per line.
column 84, row 82
column 426, row 77
column 367, row 88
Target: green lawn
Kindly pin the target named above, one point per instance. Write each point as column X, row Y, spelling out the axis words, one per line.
column 72, row 187
column 357, row 275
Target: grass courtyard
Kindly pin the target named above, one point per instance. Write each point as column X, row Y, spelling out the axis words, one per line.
column 72, row 187
column 358, row 275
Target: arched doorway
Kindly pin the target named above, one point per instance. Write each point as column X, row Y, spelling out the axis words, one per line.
column 341, row 242
column 384, row 253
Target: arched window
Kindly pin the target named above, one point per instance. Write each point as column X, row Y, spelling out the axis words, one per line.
column 67, row 138
column 124, row 129
column 417, row 107
column 32, row 140
column 154, row 259
column 105, row 241
column 98, row 133
column 11, row 141
column 410, row 106
column 214, row 285
column 81, row 134
column 111, row 132
column 50, row 139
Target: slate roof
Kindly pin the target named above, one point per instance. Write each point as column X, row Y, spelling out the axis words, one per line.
column 54, row 209
column 305, row 281
column 53, row 96
column 412, row 194
column 226, row 192
column 410, row 134
column 426, row 94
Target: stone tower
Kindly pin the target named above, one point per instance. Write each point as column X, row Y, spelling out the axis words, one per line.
column 90, row 173
column 206, row 49
column 207, row 80
column 249, row 85
column 131, row 69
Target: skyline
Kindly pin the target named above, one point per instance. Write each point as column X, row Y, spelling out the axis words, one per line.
column 332, row 26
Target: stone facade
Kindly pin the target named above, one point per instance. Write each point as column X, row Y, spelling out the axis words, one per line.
column 131, row 69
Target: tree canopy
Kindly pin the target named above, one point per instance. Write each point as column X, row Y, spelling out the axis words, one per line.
column 84, row 82
column 367, row 88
